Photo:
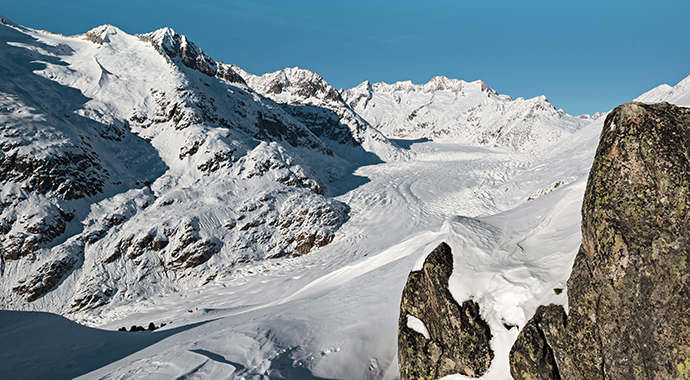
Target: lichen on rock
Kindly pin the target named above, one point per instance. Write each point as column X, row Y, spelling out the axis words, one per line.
column 629, row 290
column 459, row 339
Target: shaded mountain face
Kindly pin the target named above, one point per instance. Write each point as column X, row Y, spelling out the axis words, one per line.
column 629, row 292
column 452, row 110
column 310, row 99
column 138, row 165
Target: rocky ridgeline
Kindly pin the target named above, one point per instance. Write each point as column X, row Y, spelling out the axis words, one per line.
column 629, row 290
column 307, row 97
column 437, row 336
column 172, row 45
column 453, row 110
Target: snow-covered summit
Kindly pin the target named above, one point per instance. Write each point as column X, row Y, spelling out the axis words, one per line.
column 174, row 46
column 309, row 98
column 293, row 86
column 678, row 94
column 454, row 110
column 437, row 83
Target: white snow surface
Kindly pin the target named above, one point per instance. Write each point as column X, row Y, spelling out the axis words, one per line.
column 678, row 94
column 452, row 110
column 512, row 218
column 417, row 325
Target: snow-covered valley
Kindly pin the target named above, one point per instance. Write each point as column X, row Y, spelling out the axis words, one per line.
column 334, row 312
column 272, row 232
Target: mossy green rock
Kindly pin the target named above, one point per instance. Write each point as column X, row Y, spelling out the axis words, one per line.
column 459, row 339
column 629, row 290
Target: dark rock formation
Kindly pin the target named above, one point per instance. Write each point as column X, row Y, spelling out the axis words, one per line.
column 531, row 356
column 172, row 45
column 458, row 338
column 68, row 175
column 629, row 290
column 37, row 227
column 45, row 278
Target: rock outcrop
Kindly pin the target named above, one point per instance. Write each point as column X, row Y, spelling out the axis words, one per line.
column 436, row 335
column 629, row 290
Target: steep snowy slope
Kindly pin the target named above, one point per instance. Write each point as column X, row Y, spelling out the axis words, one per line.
column 309, row 98
column 678, row 94
column 452, row 110
column 137, row 165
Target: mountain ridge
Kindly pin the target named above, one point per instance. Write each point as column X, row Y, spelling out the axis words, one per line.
column 453, row 110
column 309, row 98
column 212, row 194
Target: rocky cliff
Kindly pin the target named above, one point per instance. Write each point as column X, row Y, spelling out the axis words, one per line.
column 436, row 335
column 628, row 293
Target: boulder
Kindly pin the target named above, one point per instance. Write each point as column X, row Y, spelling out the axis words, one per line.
column 629, row 290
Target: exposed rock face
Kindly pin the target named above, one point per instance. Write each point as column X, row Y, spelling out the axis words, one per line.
column 453, row 338
column 48, row 275
column 628, row 294
column 172, row 45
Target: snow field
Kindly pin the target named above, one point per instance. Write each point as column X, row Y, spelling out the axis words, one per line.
column 336, row 310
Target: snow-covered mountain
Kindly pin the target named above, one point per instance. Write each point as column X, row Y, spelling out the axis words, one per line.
column 452, row 110
column 142, row 181
column 678, row 94
column 137, row 165
column 309, row 98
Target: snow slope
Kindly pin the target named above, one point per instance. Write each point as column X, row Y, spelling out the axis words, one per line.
column 678, row 94
column 452, row 110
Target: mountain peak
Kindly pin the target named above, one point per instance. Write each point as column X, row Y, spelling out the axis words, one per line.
column 296, row 75
column 471, row 112
column 437, row 83
column 101, row 34
column 176, row 47
column 5, row 21
column 293, row 85
column 441, row 83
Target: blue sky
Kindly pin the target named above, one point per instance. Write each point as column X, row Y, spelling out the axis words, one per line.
column 585, row 56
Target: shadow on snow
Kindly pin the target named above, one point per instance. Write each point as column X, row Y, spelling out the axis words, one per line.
column 42, row 345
